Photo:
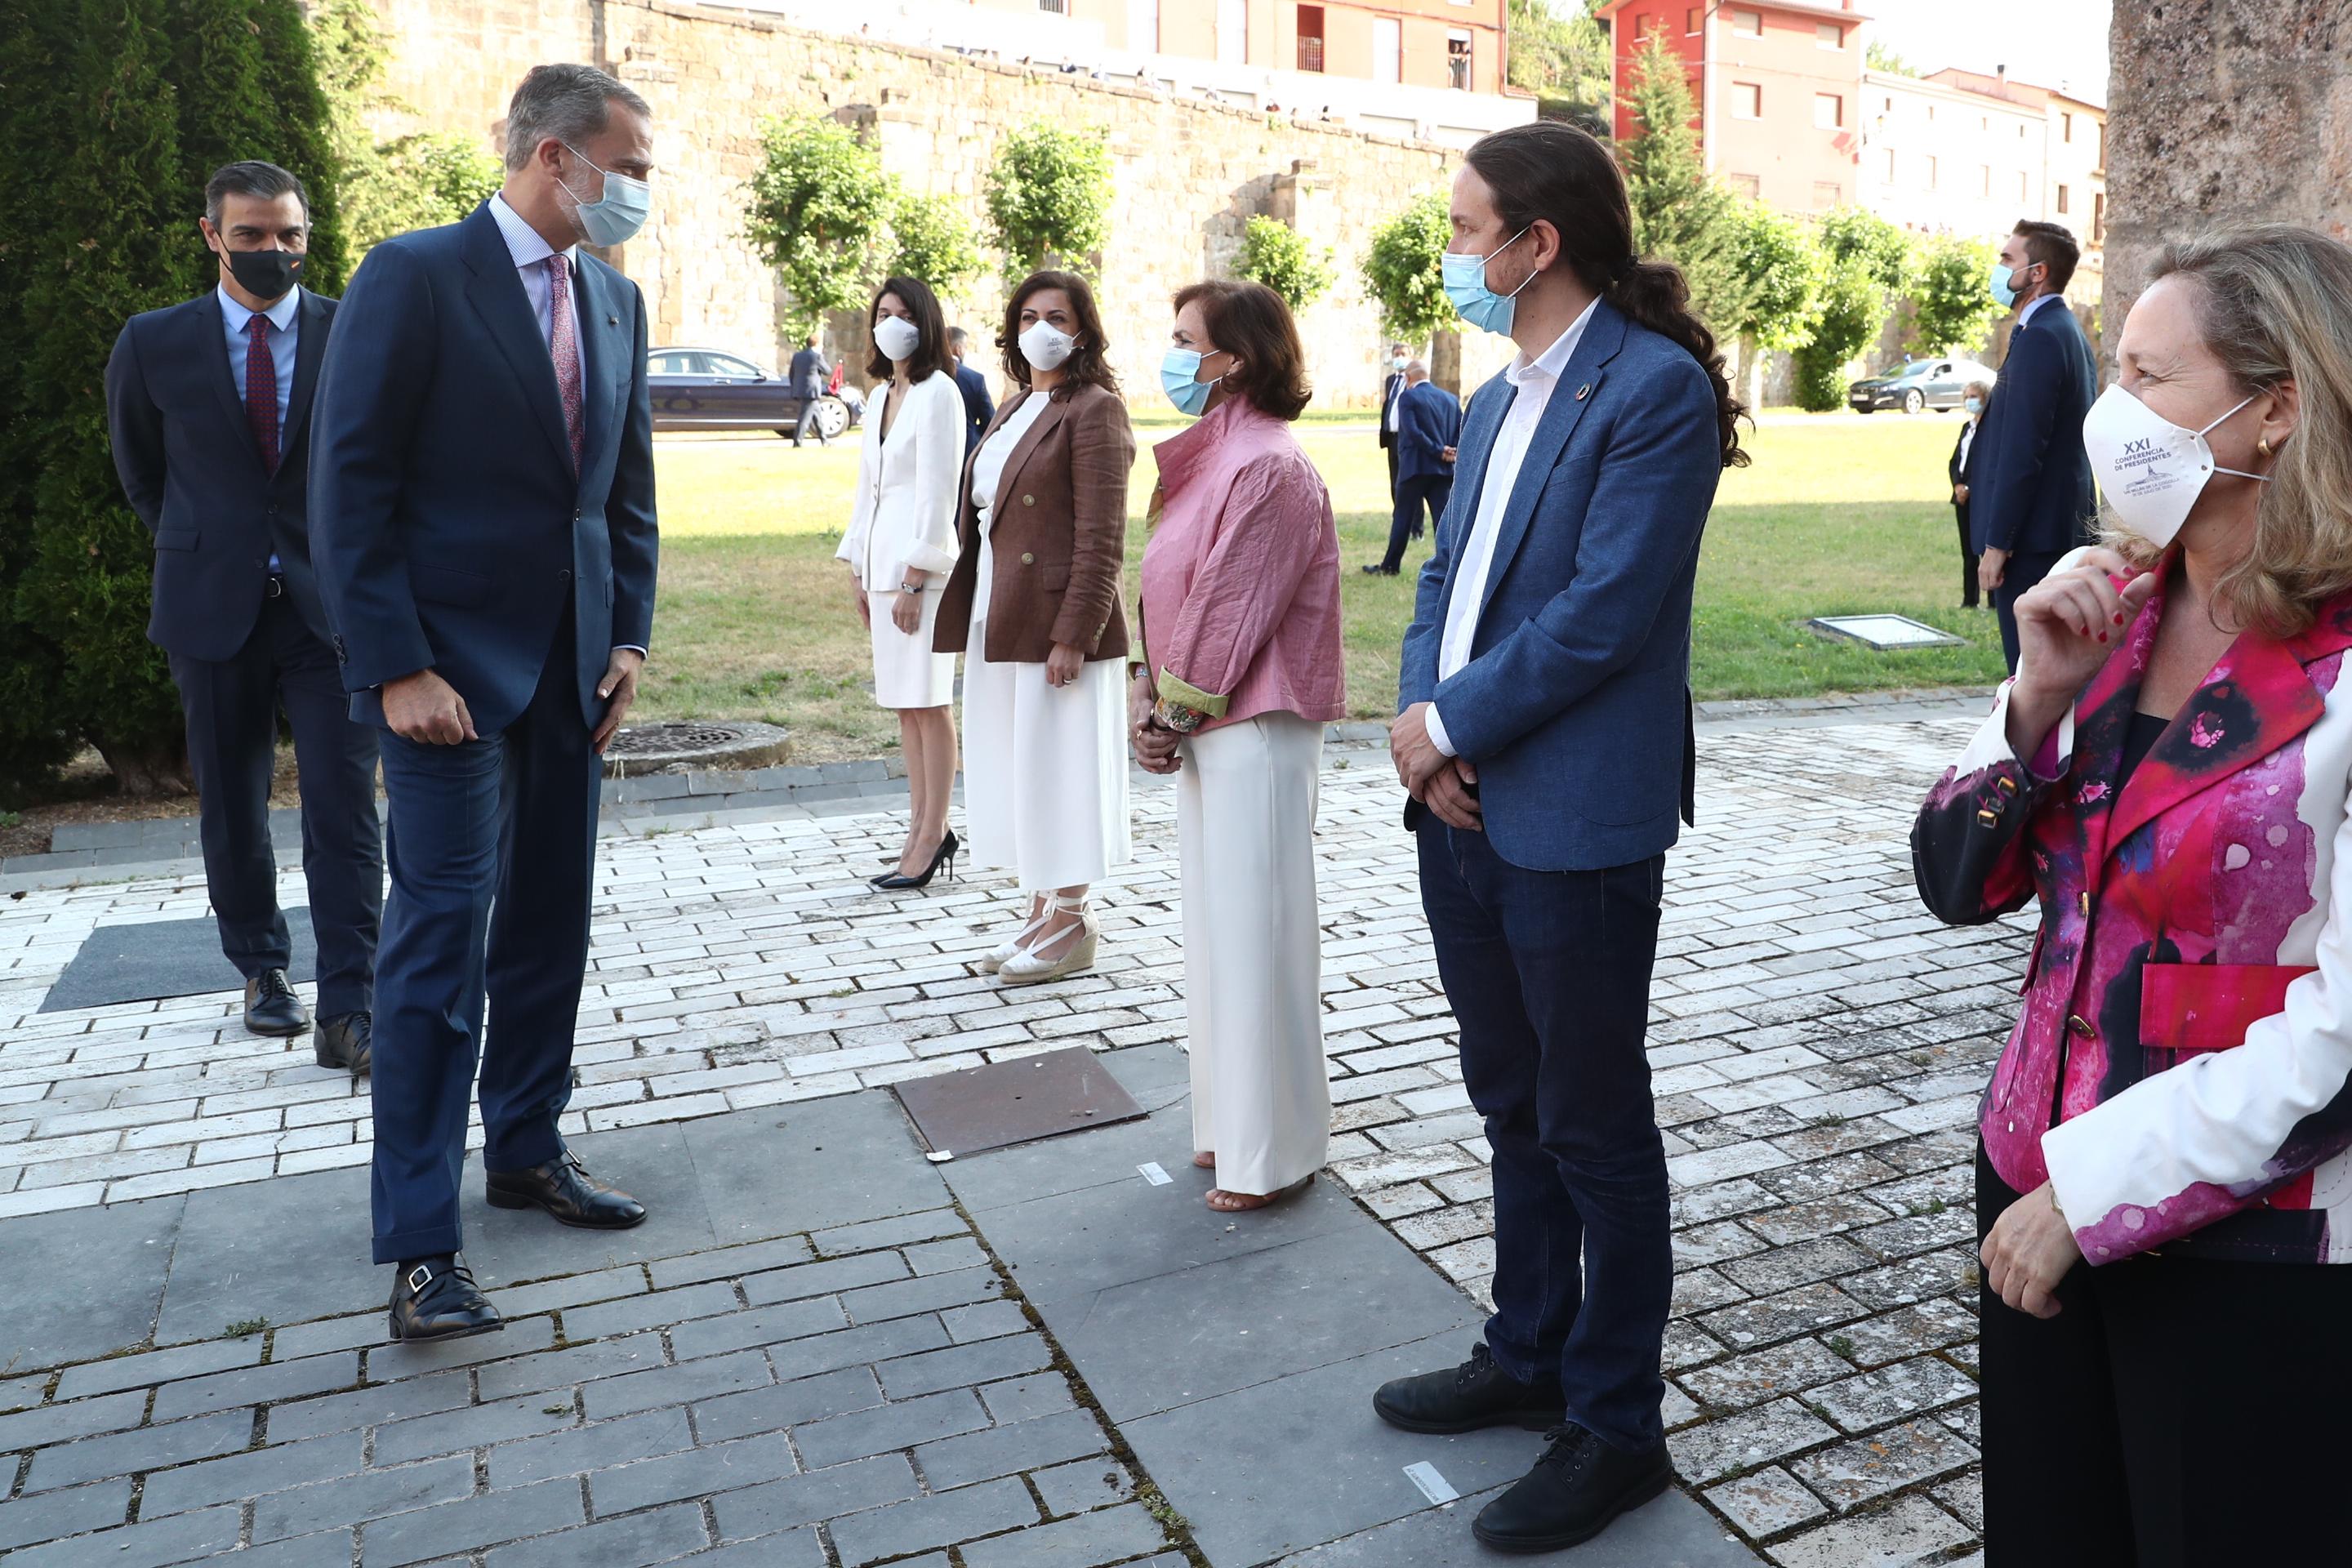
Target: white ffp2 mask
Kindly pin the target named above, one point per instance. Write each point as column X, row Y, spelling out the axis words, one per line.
column 2150, row 469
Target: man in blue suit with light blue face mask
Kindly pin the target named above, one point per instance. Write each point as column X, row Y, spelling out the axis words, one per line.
column 482, row 523
column 1545, row 738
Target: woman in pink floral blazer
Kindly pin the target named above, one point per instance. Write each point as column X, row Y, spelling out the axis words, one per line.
column 2163, row 1179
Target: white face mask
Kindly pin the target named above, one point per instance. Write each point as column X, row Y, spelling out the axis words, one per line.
column 897, row 337
column 1045, row 348
column 2150, row 469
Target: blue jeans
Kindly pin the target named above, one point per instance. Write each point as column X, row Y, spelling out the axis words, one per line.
column 1549, row 974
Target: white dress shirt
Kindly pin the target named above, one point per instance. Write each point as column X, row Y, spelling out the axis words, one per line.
column 1533, row 381
column 987, row 473
column 2026, row 314
column 284, row 319
column 1396, row 402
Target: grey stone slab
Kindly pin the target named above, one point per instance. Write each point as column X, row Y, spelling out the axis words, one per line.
column 1072, row 1243
column 758, row 1326
column 1102, row 1156
column 21, row 1393
column 287, row 1249
column 1083, row 1484
column 787, row 1404
column 1671, row 1531
column 941, row 1257
column 353, row 1499
column 157, row 1366
column 641, row 1538
column 328, row 1549
column 899, row 1230
column 1113, row 1535
column 355, row 1331
column 595, row 1448
column 807, row 1498
column 942, row 1519
column 658, row 1309
column 875, row 1343
column 730, row 1262
column 792, row 1548
column 902, row 1425
column 679, row 1384
column 821, row 1278
column 652, row 1163
column 49, row 1515
column 148, row 1448
column 579, row 1363
column 812, row 1165
column 80, row 1419
column 386, row 1363
column 1248, row 1318
column 984, row 1320
column 258, row 1386
column 932, row 1293
column 1025, row 1398
column 695, row 1472
column 84, row 1282
column 571, row 1290
column 962, row 1365
column 474, row 1427
column 1006, row 1450
column 151, row 960
column 469, row 1522
column 367, row 1406
column 1287, row 1464
column 241, row 1476
column 144, row 1545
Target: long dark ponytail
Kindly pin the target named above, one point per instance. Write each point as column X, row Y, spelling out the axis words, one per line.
column 1563, row 175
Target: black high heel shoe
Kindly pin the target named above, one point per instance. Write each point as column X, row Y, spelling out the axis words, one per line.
column 898, row 882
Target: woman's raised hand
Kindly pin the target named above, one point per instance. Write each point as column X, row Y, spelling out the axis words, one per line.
column 2072, row 621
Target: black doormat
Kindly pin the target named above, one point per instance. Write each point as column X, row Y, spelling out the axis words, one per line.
column 1004, row 1103
column 150, row 962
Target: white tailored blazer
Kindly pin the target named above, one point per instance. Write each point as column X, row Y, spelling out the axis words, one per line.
column 904, row 516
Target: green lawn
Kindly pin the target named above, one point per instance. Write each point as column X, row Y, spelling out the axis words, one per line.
column 1834, row 517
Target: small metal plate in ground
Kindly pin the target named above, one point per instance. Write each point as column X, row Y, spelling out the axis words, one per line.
column 1886, row 632
column 159, row 959
column 1003, row 1103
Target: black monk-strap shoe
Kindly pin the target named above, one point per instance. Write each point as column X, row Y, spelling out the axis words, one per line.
column 1575, row 1490
column 344, row 1042
column 564, row 1188
column 271, row 1007
column 1465, row 1398
column 435, row 1298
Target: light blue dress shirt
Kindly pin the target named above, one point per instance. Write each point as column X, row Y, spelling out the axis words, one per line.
column 285, row 326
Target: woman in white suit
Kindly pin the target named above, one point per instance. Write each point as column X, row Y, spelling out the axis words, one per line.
column 900, row 544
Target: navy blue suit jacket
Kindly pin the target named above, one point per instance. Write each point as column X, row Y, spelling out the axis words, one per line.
column 1430, row 421
column 2031, row 492
column 808, row 374
column 1391, row 389
column 193, row 472
column 978, row 408
column 447, row 524
column 1575, row 704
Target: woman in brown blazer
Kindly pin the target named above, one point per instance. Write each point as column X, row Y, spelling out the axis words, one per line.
column 1035, row 604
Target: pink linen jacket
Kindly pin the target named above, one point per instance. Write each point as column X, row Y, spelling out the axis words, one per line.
column 1240, row 577
column 2181, row 1071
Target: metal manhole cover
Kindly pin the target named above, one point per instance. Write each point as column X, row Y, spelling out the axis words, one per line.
column 648, row 739
column 696, row 743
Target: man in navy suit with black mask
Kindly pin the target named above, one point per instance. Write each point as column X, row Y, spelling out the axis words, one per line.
column 482, row 518
column 209, row 406
column 2032, row 499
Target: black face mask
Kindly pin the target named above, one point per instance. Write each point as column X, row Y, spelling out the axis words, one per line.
column 265, row 274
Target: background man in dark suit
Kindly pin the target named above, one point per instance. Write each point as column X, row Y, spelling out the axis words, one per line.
column 808, row 372
column 209, row 403
column 482, row 517
column 1391, row 388
column 978, row 408
column 1429, row 422
column 2032, row 499
column 1962, row 467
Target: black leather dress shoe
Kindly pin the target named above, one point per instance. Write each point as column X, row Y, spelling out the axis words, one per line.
column 271, row 1007
column 345, row 1042
column 563, row 1188
column 1576, row 1489
column 434, row 1299
column 1466, row 1397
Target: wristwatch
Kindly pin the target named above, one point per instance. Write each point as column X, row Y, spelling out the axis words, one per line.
column 912, row 587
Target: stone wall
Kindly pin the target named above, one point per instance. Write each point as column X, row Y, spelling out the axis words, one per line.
column 2221, row 111
column 1188, row 175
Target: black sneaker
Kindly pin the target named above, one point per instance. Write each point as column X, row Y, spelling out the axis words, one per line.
column 1578, row 1486
column 1466, row 1397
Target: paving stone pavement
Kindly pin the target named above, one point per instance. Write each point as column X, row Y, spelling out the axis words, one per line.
column 1819, row 1044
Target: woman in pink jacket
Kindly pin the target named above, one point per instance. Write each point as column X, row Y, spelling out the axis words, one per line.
column 2163, row 1184
column 1240, row 671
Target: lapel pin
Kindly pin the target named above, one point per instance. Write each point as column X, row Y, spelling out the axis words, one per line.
column 611, row 321
column 1584, row 391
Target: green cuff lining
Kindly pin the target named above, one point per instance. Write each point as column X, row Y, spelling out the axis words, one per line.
column 1177, row 693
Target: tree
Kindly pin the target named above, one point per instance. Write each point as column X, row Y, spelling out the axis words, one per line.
column 1786, row 269
column 1681, row 214
column 1555, row 49
column 1403, row 271
column 1951, row 309
column 1881, row 56
column 1890, row 254
column 1276, row 255
column 417, row 181
column 931, row 240
column 1872, row 264
column 819, row 203
column 1048, row 198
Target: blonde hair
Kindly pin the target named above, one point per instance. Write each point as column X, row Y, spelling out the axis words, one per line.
column 2274, row 302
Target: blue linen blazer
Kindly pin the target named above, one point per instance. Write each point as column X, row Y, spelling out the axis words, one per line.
column 1430, row 421
column 1575, row 705
column 448, row 528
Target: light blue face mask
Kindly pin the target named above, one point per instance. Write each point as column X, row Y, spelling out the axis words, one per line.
column 1178, row 367
column 1973, row 405
column 616, row 215
column 2004, row 283
column 1466, row 285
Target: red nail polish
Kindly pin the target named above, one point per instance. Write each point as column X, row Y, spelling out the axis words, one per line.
column 2119, row 617
column 2102, row 636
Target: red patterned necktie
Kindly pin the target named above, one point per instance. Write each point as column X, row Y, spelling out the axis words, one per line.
column 564, row 345
column 261, row 390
